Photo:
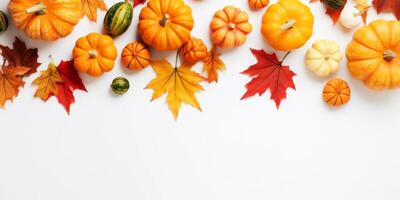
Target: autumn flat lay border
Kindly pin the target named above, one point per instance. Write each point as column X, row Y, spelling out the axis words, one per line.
column 373, row 56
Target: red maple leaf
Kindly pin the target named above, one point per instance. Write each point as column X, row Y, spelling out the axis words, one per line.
column 387, row 6
column 333, row 14
column 137, row 2
column 72, row 82
column 268, row 73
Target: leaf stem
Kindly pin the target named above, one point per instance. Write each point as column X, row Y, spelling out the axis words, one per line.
column 177, row 57
column 284, row 58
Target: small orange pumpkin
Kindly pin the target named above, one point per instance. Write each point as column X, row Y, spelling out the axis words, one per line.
column 258, row 4
column 94, row 54
column 374, row 55
column 136, row 56
column 165, row 24
column 45, row 19
column 229, row 27
column 336, row 92
column 194, row 50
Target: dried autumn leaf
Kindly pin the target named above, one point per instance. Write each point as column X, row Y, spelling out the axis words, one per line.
column 388, row 6
column 10, row 82
column 332, row 13
column 213, row 63
column 47, row 82
column 363, row 6
column 138, row 2
column 20, row 55
column 180, row 83
column 268, row 73
column 89, row 8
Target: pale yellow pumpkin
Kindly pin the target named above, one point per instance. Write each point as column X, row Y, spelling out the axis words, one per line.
column 324, row 57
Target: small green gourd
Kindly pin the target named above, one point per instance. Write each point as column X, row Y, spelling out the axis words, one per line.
column 120, row 85
column 334, row 4
column 118, row 18
column 3, row 22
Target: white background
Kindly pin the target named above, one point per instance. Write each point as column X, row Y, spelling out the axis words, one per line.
column 124, row 148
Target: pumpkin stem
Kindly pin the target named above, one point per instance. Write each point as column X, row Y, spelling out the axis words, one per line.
column 389, row 55
column 231, row 26
column 164, row 20
column 288, row 25
column 39, row 9
column 92, row 53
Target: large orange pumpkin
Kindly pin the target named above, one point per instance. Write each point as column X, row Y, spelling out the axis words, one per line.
column 94, row 54
column 165, row 24
column 229, row 27
column 45, row 19
column 287, row 25
column 374, row 54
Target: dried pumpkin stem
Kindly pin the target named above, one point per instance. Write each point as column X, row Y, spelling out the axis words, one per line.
column 39, row 9
column 164, row 20
column 231, row 26
column 92, row 53
column 389, row 55
column 288, row 25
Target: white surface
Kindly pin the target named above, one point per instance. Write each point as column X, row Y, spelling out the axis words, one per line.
column 126, row 148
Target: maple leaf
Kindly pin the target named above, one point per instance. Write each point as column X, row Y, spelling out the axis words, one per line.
column 332, row 13
column 213, row 63
column 89, row 8
column 387, row 6
column 71, row 82
column 10, row 82
column 180, row 83
column 138, row 2
column 268, row 73
column 47, row 82
column 20, row 55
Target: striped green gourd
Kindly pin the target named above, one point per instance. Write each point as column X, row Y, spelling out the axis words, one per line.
column 334, row 4
column 3, row 22
column 120, row 85
column 118, row 18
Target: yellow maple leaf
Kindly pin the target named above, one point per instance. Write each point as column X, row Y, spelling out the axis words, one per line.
column 180, row 83
column 47, row 82
column 10, row 82
column 89, row 8
column 213, row 63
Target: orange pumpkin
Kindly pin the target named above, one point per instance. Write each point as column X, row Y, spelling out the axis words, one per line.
column 258, row 4
column 94, row 54
column 194, row 50
column 374, row 55
column 229, row 27
column 165, row 24
column 336, row 92
column 136, row 56
column 45, row 19
column 287, row 25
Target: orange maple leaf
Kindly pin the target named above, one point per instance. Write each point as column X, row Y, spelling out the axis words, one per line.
column 213, row 63
column 10, row 82
column 89, row 8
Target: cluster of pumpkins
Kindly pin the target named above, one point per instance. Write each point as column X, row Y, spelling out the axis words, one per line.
column 373, row 55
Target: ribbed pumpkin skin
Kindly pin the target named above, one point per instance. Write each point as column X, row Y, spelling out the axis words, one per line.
column 57, row 21
column 194, row 50
column 118, row 18
column 3, row 22
column 136, row 56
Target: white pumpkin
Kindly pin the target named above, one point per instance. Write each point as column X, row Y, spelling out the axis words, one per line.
column 350, row 17
column 324, row 58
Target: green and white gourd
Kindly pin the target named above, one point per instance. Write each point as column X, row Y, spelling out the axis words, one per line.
column 118, row 18
column 120, row 85
column 334, row 4
column 3, row 22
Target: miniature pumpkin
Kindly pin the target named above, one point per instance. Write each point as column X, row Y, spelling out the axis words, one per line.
column 350, row 17
column 324, row 57
column 120, row 85
column 287, row 25
column 194, row 50
column 94, row 54
column 136, row 56
column 374, row 54
column 258, row 4
column 45, row 19
column 229, row 27
column 165, row 24
column 3, row 22
column 336, row 92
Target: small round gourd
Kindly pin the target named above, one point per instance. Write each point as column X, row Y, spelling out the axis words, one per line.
column 194, row 50
column 118, row 18
column 258, row 4
column 350, row 17
column 136, row 56
column 3, row 22
column 336, row 92
column 229, row 27
column 324, row 58
column 120, row 85
column 334, row 4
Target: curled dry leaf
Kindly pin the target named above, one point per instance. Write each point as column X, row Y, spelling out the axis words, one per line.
column 138, row 2
column 388, row 6
column 89, row 8
column 47, row 82
column 10, row 82
column 334, row 14
column 213, row 63
column 180, row 84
